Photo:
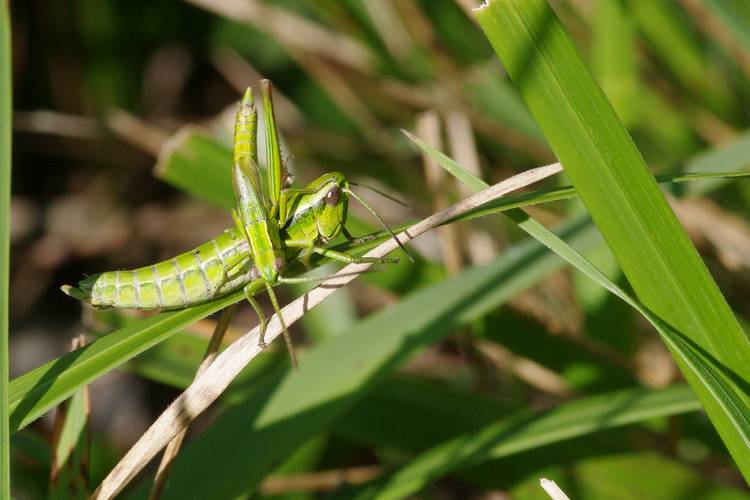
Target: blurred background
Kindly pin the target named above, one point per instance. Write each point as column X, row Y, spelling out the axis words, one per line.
column 118, row 103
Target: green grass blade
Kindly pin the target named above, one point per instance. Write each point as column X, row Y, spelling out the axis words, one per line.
column 531, row 198
column 614, row 57
column 410, row 414
column 71, row 445
column 525, row 431
column 35, row 392
column 611, row 177
column 6, row 110
column 448, row 163
column 732, row 156
column 712, row 375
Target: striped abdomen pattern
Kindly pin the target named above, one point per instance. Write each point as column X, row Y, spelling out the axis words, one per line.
column 210, row 270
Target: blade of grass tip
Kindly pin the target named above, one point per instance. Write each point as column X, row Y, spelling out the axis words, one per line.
column 6, row 104
column 653, row 250
column 471, row 180
column 428, row 127
column 210, row 385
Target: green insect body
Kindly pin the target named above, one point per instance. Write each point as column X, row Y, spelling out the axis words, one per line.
column 223, row 264
column 320, row 216
column 251, row 216
column 213, row 269
column 274, row 224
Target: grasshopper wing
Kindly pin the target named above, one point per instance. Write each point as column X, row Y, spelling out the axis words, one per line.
column 252, row 204
column 276, row 170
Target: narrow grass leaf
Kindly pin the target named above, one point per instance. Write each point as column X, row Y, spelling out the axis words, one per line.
column 6, row 110
column 712, row 375
column 71, row 445
column 528, row 431
column 448, row 163
column 614, row 57
column 732, row 156
column 611, row 177
column 35, row 392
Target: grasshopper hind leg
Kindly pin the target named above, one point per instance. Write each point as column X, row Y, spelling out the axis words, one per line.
column 250, row 290
column 287, row 337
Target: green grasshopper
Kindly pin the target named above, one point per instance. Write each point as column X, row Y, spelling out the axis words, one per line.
column 275, row 224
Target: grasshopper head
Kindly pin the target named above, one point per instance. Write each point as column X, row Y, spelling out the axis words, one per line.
column 333, row 193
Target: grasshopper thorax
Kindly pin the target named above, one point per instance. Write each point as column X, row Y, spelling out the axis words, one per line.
column 324, row 209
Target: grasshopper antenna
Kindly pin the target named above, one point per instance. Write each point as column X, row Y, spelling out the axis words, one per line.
column 381, row 193
column 380, row 219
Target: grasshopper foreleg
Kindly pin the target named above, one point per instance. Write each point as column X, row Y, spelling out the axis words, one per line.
column 357, row 240
column 340, row 256
column 287, row 337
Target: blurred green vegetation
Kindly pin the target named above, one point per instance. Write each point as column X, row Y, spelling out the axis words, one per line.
column 121, row 138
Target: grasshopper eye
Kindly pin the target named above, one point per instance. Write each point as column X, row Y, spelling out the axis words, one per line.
column 332, row 196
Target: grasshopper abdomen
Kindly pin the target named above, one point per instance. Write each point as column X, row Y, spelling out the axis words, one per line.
column 216, row 267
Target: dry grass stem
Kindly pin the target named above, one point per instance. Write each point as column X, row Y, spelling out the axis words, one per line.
column 211, row 384
column 59, row 124
column 727, row 234
column 137, row 132
column 480, row 247
column 319, row 481
column 528, row 370
column 428, row 128
column 717, row 29
column 552, row 489
column 173, row 448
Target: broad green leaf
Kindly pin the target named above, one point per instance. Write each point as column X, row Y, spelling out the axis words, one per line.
column 31, row 463
column 6, row 112
column 609, row 174
column 408, row 415
column 35, row 392
column 198, row 164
